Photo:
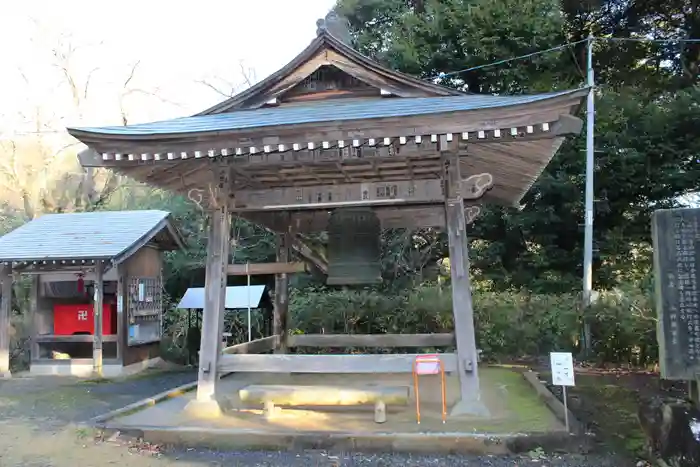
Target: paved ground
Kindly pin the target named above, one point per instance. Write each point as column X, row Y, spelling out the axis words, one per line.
column 38, row 428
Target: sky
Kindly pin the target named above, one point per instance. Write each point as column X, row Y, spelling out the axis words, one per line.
column 67, row 62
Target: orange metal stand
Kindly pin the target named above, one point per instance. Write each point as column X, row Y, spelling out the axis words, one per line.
column 429, row 364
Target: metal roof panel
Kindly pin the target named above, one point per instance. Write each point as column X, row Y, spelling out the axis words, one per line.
column 90, row 235
column 237, row 297
column 332, row 110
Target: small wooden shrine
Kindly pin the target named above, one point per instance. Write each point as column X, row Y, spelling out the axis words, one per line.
column 95, row 297
column 335, row 141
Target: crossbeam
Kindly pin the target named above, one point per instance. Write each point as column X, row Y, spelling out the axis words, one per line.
column 262, row 269
column 328, row 196
column 391, row 217
column 372, row 340
column 84, row 338
column 255, row 346
column 339, row 364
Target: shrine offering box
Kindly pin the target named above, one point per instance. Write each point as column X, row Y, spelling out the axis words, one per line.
column 79, row 319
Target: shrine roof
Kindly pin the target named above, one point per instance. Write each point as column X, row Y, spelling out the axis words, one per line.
column 103, row 235
column 331, row 118
column 326, row 49
column 323, row 111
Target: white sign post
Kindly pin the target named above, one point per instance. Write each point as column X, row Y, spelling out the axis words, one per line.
column 563, row 375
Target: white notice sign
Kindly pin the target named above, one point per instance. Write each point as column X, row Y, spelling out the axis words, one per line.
column 428, row 364
column 562, row 368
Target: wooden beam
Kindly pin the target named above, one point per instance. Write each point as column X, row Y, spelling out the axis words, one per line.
column 296, row 395
column 5, row 314
column 371, row 340
column 379, row 193
column 513, row 177
column 206, row 402
column 122, row 321
column 281, row 299
column 254, row 346
column 299, row 245
column 51, row 338
column 391, row 217
column 98, row 300
column 255, row 269
column 34, row 295
column 333, row 364
column 467, row 355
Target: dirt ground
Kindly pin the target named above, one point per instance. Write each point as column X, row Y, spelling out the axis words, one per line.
column 39, row 419
column 40, row 416
column 607, row 400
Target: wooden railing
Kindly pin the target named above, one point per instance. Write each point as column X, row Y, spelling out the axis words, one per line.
column 246, row 357
column 371, row 340
column 256, row 346
column 356, row 363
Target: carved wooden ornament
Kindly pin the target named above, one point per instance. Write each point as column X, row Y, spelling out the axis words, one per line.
column 475, row 186
column 471, row 213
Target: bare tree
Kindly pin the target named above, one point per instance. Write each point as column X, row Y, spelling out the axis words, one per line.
column 39, row 170
column 37, row 178
column 226, row 88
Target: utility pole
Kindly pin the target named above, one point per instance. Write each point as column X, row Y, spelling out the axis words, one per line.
column 588, row 222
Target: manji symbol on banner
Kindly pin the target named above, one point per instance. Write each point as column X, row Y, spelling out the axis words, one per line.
column 676, row 233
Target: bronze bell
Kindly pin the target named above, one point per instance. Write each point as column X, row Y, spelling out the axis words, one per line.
column 354, row 247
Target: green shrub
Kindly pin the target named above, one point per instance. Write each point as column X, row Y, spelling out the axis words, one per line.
column 508, row 324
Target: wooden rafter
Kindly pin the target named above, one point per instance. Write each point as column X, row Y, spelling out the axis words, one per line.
column 516, row 161
column 262, row 144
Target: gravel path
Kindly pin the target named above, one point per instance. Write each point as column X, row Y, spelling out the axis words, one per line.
column 38, row 428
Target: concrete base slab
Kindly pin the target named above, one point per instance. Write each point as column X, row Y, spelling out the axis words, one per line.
column 417, row 443
column 86, row 369
column 204, row 409
column 473, row 407
column 518, row 420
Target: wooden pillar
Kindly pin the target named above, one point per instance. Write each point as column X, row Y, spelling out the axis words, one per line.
column 98, row 300
column 281, row 305
column 206, row 403
column 122, row 321
column 5, row 313
column 34, row 297
column 470, row 394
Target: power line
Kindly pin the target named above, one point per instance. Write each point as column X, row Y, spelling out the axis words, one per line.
column 465, row 70
column 639, row 39
column 500, row 62
column 560, row 47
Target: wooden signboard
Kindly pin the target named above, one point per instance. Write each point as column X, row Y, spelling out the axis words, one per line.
column 675, row 235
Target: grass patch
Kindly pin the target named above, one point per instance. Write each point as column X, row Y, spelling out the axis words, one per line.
column 524, row 411
column 83, row 433
column 611, row 410
column 95, row 381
